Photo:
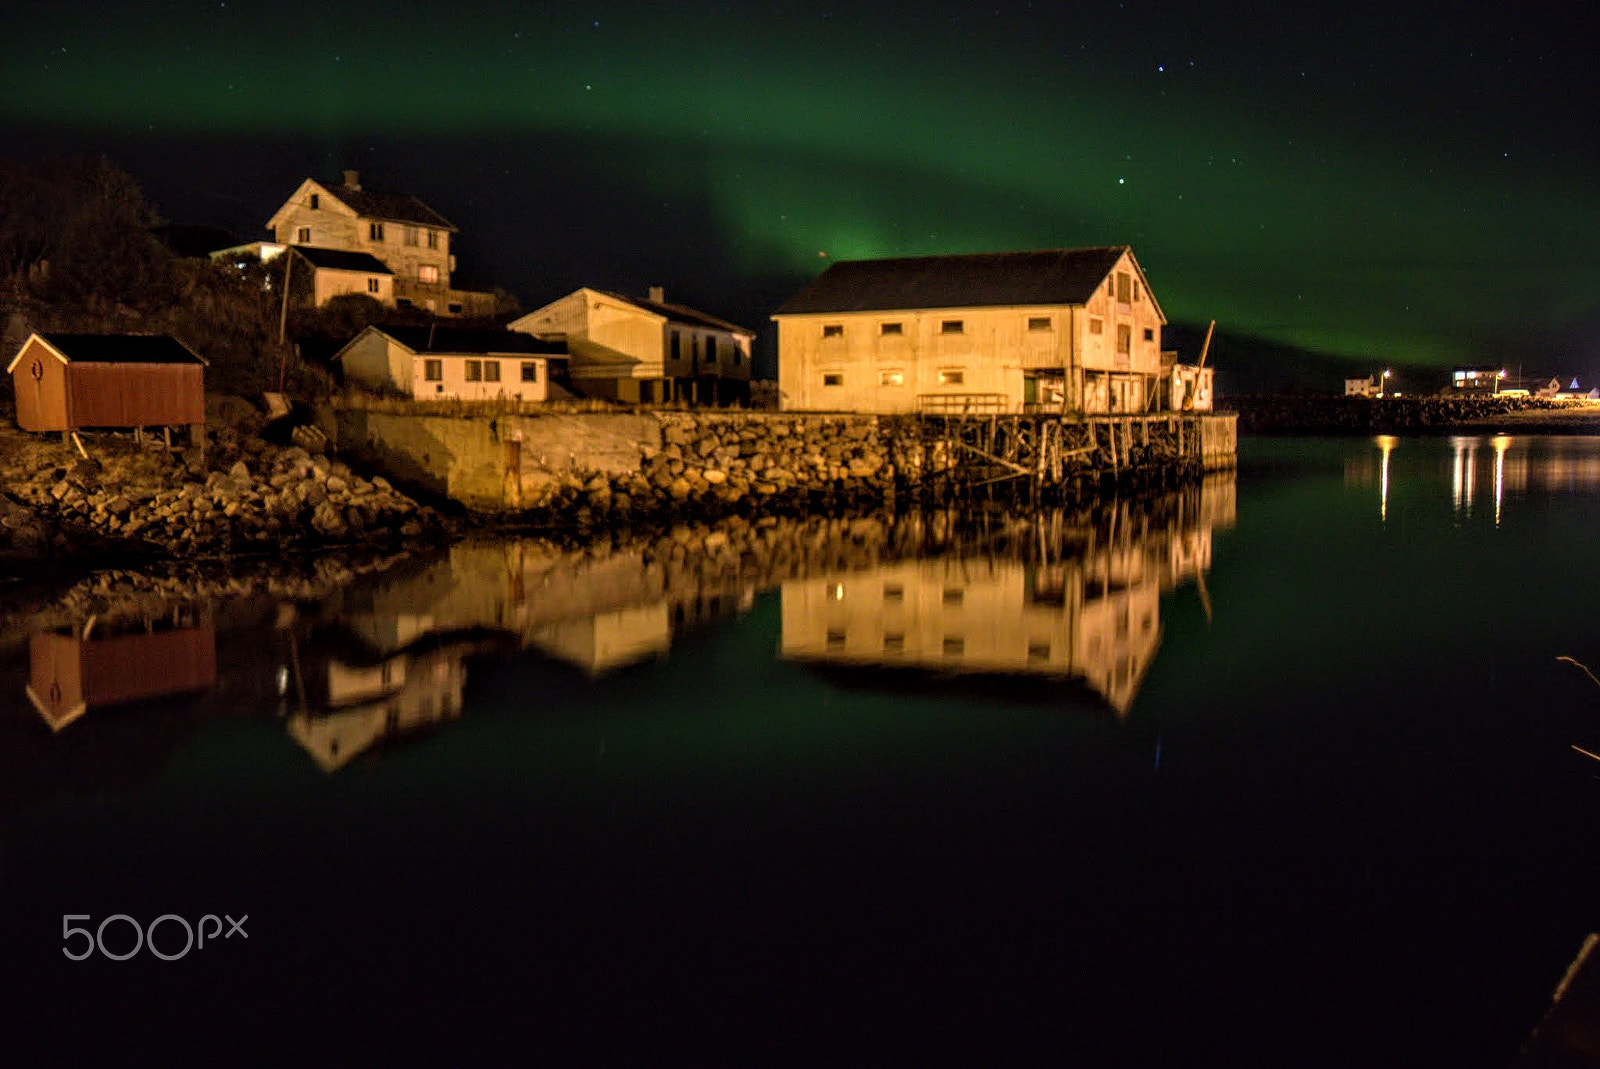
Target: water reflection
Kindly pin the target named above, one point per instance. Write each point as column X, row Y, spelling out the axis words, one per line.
column 1485, row 469
column 1077, row 599
column 1066, row 600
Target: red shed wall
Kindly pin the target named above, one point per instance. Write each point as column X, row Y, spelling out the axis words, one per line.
column 135, row 395
column 41, row 400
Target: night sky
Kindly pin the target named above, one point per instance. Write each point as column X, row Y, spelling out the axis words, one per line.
column 1403, row 182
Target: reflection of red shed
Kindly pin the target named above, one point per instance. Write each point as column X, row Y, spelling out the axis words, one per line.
column 71, row 675
column 68, row 381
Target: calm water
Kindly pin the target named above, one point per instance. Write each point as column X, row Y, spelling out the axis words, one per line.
column 1274, row 771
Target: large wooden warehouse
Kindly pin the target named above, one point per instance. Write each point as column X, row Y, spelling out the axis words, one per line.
column 65, row 382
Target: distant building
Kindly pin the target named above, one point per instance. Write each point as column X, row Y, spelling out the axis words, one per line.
column 1476, row 381
column 453, row 364
column 1574, row 392
column 645, row 349
column 1527, row 386
column 66, row 382
column 1055, row 330
column 396, row 229
column 1363, row 387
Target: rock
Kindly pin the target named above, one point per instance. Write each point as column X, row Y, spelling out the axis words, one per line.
column 240, row 472
column 714, row 476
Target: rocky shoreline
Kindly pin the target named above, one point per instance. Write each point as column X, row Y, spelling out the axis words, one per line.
column 1322, row 415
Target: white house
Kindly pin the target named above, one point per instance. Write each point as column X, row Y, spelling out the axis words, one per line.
column 452, row 364
column 645, row 349
column 1053, row 330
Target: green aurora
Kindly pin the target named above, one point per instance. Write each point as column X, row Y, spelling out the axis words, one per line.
column 1261, row 185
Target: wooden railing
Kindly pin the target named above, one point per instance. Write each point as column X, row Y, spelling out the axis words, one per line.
column 961, row 404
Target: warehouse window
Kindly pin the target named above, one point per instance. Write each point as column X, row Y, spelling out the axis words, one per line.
column 833, row 330
column 952, row 326
column 887, row 329
column 833, row 378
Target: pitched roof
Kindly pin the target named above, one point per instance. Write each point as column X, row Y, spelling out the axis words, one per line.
column 1046, row 276
column 393, row 207
column 342, row 260
column 681, row 313
column 117, row 349
column 470, row 340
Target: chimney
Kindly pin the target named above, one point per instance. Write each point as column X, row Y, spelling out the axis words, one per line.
column 352, row 181
column 658, row 294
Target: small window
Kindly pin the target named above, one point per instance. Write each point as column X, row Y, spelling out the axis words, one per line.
column 303, row 235
column 893, row 377
column 891, row 329
column 833, row 330
column 711, row 350
column 952, row 326
column 412, row 235
column 428, row 273
column 954, row 595
column 1039, row 323
column 433, row 371
column 893, row 593
column 1136, row 289
column 474, row 370
column 1038, row 651
column 530, row 371
column 433, row 239
column 454, row 308
column 952, row 377
column 375, row 231
column 316, row 201
column 894, row 642
column 673, row 344
column 372, row 285
column 1097, row 326
column 833, row 378
column 1124, row 283
column 1149, row 334
column 738, row 355
column 491, row 371
column 954, row 646
column 1124, row 338
column 836, row 639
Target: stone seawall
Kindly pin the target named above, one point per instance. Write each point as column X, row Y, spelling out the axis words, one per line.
column 621, row 467
column 1371, row 415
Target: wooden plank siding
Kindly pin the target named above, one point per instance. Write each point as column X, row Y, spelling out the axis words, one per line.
column 40, row 380
column 134, row 395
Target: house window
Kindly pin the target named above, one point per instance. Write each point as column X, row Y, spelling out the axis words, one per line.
column 954, row 646
column 530, row 371
column 1038, row 651
column 1124, row 283
column 1136, row 290
column 1097, row 326
column 711, row 350
column 303, row 235
column 433, row 370
column 454, row 308
column 888, row 329
column 893, row 593
column 894, row 377
column 833, row 330
column 411, row 235
column 1039, row 323
column 316, row 201
column 836, row 638
column 372, row 285
column 433, row 239
column 375, row 231
column 953, row 596
column 427, row 272
column 491, row 371
column 833, row 378
column 672, row 345
column 951, row 326
column 894, row 642
column 952, row 377
column 474, row 370
column 1124, row 338
column 1149, row 334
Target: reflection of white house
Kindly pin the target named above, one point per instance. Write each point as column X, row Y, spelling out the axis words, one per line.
column 607, row 640
column 1055, row 330
column 445, row 364
column 645, row 349
column 369, row 705
column 1096, row 619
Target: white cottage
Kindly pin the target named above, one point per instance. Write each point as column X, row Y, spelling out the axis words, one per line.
column 448, row 364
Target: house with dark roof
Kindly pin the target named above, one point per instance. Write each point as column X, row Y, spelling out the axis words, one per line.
column 454, row 364
column 396, row 229
column 645, row 349
column 67, row 382
column 1054, row 330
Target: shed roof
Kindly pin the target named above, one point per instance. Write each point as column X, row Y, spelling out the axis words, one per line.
column 1041, row 277
column 342, row 260
column 471, row 341
column 113, row 349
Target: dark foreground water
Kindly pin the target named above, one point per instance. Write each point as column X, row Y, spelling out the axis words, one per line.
column 1275, row 771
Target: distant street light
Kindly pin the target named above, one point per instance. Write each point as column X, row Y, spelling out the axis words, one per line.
column 1384, row 382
